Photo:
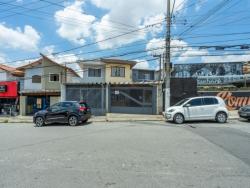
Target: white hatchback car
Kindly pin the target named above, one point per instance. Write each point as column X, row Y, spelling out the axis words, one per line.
column 198, row 108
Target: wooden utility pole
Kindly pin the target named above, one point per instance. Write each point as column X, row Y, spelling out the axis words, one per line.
column 167, row 57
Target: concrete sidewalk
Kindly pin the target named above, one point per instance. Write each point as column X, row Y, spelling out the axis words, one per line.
column 111, row 117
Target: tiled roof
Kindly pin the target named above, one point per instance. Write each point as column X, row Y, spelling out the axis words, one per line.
column 119, row 61
column 11, row 70
column 39, row 61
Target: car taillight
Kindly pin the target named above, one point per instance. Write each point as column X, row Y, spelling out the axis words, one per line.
column 82, row 109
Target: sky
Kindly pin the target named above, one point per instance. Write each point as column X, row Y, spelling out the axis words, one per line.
column 201, row 30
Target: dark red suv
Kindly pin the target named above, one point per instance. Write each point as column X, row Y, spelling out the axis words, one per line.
column 70, row 112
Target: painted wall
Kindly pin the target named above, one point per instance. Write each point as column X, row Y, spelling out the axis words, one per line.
column 109, row 78
column 51, row 68
column 3, row 75
column 28, row 85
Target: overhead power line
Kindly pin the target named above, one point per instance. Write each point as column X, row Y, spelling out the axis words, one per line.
column 210, row 13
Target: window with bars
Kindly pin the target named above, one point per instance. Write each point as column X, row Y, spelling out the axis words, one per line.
column 36, row 79
column 94, row 72
column 118, row 71
column 54, row 78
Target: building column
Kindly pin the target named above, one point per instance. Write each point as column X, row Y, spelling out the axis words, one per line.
column 159, row 99
column 107, row 98
column 23, row 105
column 63, row 92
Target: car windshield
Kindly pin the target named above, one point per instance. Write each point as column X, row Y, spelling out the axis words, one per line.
column 181, row 102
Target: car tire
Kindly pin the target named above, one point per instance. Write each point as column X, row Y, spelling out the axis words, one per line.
column 39, row 122
column 73, row 120
column 178, row 118
column 221, row 117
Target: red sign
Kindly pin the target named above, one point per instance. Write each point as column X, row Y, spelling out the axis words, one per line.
column 8, row 89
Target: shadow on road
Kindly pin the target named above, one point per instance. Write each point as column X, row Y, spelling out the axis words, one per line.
column 65, row 124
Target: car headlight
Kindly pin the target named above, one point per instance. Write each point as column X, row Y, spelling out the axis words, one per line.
column 172, row 110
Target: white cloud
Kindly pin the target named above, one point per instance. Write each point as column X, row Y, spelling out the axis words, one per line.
column 105, row 29
column 142, row 64
column 27, row 39
column 181, row 52
column 156, row 43
column 74, row 25
column 69, row 60
column 199, row 4
column 225, row 58
column 47, row 50
column 2, row 58
column 136, row 13
column 152, row 20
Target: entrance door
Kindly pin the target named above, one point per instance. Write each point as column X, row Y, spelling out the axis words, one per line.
column 36, row 103
column 132, row 100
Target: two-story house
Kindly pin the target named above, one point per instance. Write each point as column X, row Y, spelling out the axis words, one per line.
column 42, row 84
column 10, row 79
column 107, row 86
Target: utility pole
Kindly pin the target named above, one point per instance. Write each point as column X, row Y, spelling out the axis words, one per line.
column 167, row 57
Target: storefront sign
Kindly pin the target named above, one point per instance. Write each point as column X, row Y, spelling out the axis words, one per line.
column 8, row 89
column 233, row 99
column 3, row 88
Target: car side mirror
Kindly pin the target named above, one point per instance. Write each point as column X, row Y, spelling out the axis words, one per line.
column 187, row 105
column 48, row 109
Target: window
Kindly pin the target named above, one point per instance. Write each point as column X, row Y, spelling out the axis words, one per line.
column 66, row 104
column 55, row 107
column 118, row 71
column 196, row 102
column 145, row 75
column 210, row 101
column 54, row 77
column 94, row 72
column 36, row 79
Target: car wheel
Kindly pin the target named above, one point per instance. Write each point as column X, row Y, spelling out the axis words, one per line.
column 39, row 122
column 221, row 117
column 178, row 118
column 73, row 121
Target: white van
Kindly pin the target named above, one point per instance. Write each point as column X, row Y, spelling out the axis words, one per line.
column 198, row 108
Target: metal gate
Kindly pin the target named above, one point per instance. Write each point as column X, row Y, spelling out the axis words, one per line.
column 133, row 100
column 94, row 96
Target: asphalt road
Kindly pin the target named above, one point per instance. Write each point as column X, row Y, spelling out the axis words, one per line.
column 132, row 154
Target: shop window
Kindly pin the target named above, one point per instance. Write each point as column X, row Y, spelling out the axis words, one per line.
column 118, row 71
column 36, row 79
column 54, row 77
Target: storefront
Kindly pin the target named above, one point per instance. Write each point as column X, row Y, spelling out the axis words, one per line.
column 9, row 100
column 34, row 101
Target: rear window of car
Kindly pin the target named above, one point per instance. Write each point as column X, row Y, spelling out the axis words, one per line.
column 83, row 104
column 210, row 101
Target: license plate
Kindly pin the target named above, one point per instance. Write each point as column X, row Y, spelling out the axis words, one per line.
column 243, row 114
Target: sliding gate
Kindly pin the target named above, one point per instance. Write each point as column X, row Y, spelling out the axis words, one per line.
column 94, row 96
column 133, row 100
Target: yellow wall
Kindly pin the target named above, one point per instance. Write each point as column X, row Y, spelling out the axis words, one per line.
column 109, row 78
